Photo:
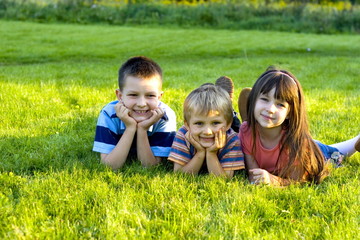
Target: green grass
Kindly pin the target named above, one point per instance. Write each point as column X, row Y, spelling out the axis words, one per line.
column 54, row 79
column 324, row 17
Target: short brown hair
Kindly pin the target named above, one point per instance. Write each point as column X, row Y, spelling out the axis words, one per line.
column 139, row 66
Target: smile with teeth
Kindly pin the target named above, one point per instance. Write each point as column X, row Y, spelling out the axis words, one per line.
column 141, row 111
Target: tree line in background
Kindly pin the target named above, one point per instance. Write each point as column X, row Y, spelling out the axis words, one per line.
column 310, row 16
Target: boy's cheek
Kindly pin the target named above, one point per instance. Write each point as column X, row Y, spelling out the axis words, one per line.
column 155, row 104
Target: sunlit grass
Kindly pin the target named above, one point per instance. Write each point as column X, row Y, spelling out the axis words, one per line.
column 54, row 79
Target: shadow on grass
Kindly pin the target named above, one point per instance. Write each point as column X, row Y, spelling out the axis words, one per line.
column 71, row 150
column 60, row 151
column 65, row 151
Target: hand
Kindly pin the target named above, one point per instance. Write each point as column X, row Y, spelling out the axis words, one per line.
column 123, row 114
column 156, row 115
column 260, row 176
column 193, row 142
column 219, row 142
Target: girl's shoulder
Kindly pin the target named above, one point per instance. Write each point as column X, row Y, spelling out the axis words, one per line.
column 244, row 127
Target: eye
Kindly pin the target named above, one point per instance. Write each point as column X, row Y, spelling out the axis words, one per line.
column 216, row 123
column 198, row 123
column 151, row 96
column 132, row 95
column 264, row 99
column 282, row 104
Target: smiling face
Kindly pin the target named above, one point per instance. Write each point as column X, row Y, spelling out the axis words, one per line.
column 203, row 128
column 270, row 112
column 140, row 96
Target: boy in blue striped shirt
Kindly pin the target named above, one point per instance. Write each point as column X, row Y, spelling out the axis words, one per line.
column 206, row 142
column 137, row 124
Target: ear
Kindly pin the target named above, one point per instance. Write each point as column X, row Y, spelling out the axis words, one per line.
column 160, row 95
column 118, row 94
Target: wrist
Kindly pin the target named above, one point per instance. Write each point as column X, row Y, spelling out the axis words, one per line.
column 141, row 129
column 130, row 128
column 211, row 151
column 278, row 181
column 129, row 122
column 200, row 152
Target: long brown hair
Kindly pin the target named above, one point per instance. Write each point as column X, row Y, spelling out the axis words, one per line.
column 306, row 161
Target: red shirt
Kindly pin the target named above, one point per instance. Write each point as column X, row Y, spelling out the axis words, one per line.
column 266, row 158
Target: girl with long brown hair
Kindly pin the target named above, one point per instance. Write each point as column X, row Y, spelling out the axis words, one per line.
column 276, row 139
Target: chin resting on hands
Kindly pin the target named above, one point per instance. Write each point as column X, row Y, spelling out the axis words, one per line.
column 193, row 142
column 123, row 114
column 156, row 115
column 220, row 141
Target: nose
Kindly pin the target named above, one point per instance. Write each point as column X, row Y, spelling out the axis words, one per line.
column 271, row 108
column 208, row 131
column 141, row 102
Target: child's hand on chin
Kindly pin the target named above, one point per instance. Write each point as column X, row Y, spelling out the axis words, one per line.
column 156, row 115
column 219, row 142
column 193, row 142
column 123, row 114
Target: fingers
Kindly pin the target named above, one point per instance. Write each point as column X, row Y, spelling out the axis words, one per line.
column 193, row 141
column 190, row 137
column 259, row 179
column 187, row 135
column 121, row 110
column 220, row 138
column 157, row 113
column 259, row 176
column 123, row 113
column 256, row 171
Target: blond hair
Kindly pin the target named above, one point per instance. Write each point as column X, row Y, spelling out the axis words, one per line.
column 207, row 98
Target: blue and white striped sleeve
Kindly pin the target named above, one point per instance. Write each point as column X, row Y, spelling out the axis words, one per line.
column 107, row 130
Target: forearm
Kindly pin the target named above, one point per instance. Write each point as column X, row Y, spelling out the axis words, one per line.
column 144, row 153
column 193, row 166
column 250, row 163
column 117, row 157
column 261, row 176
column 214, row 166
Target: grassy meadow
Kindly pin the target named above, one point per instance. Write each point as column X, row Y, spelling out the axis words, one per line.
column 301, row 16
column 54, row 80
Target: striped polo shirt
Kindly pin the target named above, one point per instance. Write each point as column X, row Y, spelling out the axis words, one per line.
column 230, row 156
column 110, row 128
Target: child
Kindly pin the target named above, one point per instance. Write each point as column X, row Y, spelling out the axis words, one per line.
column 138, row 123
column 206, row 140
column 275, row 139
column 228, row 85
